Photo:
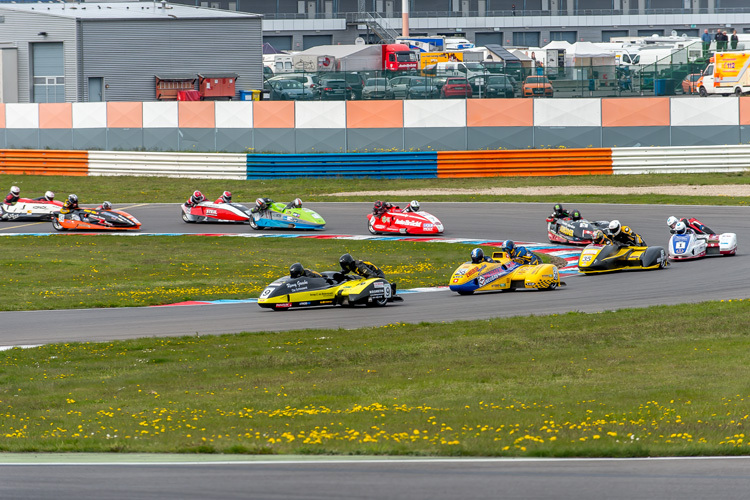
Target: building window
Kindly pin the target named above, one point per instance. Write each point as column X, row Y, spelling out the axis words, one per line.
column 566, row 36
column 48, row 72
column 526, row 39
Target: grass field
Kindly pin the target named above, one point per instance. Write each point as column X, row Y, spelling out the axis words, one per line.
column 612, row 384
column 92, row 190
column 73, row 271
column 662, row 381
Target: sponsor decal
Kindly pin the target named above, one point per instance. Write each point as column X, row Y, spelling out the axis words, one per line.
column 266, row 292
column 211, row 211
column 427, row 227
column 287, row 304
column 378, row 284
column 590, row 251
column 385, row 220
column 455, row 280
column 297, row 286
column 326, row 302
column 490, row 276
column 410, row 223
column 377, row 294
column 585, row 258
column 304, row 303
column 566, row 231
column 460, row 272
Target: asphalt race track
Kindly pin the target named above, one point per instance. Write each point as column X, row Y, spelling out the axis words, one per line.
column 104, row 477
column 706, row 279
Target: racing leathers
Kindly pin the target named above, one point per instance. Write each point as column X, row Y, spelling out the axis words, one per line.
column 366, row 269
column 69, row 206
column 11, row 199
column 267, row 204
column 523, row 256
column 628, row 237
column 309, row 273
column 697, row 226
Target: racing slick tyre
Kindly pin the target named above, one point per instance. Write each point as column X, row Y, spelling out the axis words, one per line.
column 58, row 227
column 185, row 218
column 549, row 288
column 465, row 292
column 253, row 224
column 381, row 302
column 370, row 228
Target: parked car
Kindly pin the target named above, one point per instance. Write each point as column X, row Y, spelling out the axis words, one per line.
column 289, row 90
column 307, row 80
column 537, row 86
column 492, row 86
column 691, row 83
column 456, row 86
column 413, row 87
column 377, row 88
column 331, row 90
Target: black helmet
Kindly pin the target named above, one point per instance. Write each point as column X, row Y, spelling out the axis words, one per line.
column 558, row 208
column 296, row 270
column 377, row 206
column 347, row 262
column 576, row 215
column 477, row 255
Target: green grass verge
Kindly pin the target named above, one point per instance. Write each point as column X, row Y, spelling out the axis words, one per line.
column 647, row 382
column 73, row 271
column 153, row 189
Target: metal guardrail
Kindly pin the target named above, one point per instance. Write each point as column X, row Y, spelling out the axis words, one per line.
column 525, row 163
column 348, row 165
column 670, row 160
column 43, row 162
column 191, row 165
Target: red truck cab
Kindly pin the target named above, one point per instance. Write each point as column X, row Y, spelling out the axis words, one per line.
column 398, row 57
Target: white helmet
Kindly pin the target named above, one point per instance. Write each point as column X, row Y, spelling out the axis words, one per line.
column 15, row 190
column 414, row 204
column 615, row 227
column 297, row 203
column 680, row 228
column 49, row 196
column 671, row 221
column 106, row 205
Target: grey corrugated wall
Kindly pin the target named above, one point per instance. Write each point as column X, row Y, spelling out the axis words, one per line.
column 21, row 28
column 127, row 54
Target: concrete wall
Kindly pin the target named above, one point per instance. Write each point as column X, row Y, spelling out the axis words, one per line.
column 360, row 126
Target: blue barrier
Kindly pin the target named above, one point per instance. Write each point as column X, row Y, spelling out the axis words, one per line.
column 421, row 165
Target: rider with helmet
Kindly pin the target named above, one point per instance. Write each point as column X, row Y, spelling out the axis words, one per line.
column 13, row 196
column 378, row 208
column 106, row 205
column 196, row 198
column 599, row 238
column 262, row 204
column 575, row 215
column 477, row 256
column 361, row 267
column 295, row 203
column 520, row 254
column 558, row 212
column 681, row 228
column 623, row 235
column 70, row 204
column 226, row 197
column 413, row 206
column 390, row 206
column 297, row 271
column 48, row 196
column 697, row 226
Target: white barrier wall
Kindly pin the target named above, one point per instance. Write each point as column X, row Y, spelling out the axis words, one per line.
column 192, row 165
column 680, row 160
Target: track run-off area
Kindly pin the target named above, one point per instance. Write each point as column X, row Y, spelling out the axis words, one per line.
column 469, row 224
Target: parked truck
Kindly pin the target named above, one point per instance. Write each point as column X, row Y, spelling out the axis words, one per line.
column 727, row 73
column 387, row 57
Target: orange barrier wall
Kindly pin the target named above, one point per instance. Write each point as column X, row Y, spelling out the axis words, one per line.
column 44, row 162
column 525, row 162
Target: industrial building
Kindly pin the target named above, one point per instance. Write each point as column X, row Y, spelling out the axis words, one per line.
column 118, row 51
column 301, row 24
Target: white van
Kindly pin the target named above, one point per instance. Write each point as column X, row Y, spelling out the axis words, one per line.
column 279, row 63
column 467, row 69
